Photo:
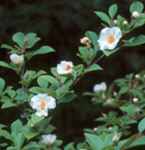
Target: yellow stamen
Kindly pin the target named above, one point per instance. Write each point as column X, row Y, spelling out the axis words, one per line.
column 110, row 39
column 68, row 67
column 42, row 104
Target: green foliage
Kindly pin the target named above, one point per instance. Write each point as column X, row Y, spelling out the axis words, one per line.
column 135, row 41
column 43, row 50
column 103, row 16
column 137, row 6
column 141, row 125
column 113, row 10
column 2, row 85
column 37, row 93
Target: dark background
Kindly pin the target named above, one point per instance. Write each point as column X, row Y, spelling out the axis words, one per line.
column 61, row 24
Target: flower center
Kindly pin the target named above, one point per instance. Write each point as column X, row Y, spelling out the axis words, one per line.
column 42, row 104
column 68, row 67
column 111, row 39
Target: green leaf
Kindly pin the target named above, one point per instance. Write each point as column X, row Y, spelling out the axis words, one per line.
column 67, row 98
column 141, row 125
column 113, row 10
column 2, row 85
column 94, row 141
column 130, row 109
column 138, row 22
column 31, row 39
column 137, row 6
column 131, row 142
column 16, row 126
column 43, row 50
column 8, row 104
column 138, row 142
column 29, row 133
column 69, row 146
column 19, row 38
column 21, row 95
column 103, row 16
column 41, row 90
column 110, row 52
column 93, row 37
column 17, row 135
column 32, row 146
column 6, row 46
column 87, row 54
column 10, row 92
column 6, row 65
column 78, row 70
column 44, row 81
column 94, row 67
column 5, row 134
column 64, row 89
column 135, row 41
column 34, row 120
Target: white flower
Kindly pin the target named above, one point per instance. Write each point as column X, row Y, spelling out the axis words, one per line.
column 135, row 14
column 42, row 103
column 109, row 38
column 17, row 59
column 48, row 139
column 65, row 67
column 100, row 87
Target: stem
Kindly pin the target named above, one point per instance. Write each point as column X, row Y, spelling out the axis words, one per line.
column 22, row 75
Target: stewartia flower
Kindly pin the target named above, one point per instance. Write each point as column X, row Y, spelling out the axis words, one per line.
column 100, row 87
column 65, row 67
column 109, row 38
column 48, row 139
column 42, row 103
column 17, row 59
column 135, row 14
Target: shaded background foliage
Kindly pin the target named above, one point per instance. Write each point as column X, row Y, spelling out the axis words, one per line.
column 61, row 24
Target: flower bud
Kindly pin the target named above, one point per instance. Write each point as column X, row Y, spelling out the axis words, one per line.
column 85, row 41
column 135, row 99
column 125, row 22
column 135, row 14
column 115, row 21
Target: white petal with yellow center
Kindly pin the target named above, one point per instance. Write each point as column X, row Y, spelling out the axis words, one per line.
column 109, row 38
column 42, row 103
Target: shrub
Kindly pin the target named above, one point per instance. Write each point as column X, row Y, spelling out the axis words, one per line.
column 38, row 93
